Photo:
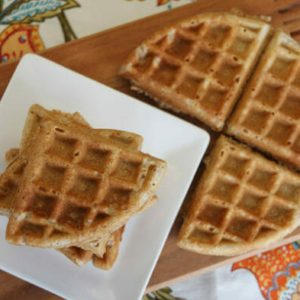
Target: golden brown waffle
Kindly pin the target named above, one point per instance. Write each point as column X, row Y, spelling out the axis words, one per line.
column 18, row 158
column 99, row 246
column 9, row 182
column 37, row 114
column 104, row 250
column 11, row 155
column 79, row 186
column 242, row 202
column 267, row 117
column 200, row 65
column 77, row 255
column 107, row 261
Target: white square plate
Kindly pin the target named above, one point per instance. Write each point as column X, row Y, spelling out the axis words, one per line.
column 181, row 144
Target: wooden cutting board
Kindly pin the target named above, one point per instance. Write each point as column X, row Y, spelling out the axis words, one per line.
column 99, row 57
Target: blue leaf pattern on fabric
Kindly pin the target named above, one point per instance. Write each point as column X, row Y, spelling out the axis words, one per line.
column 32, row 8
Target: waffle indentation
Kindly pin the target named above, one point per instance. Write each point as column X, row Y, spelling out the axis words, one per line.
column 289, row 191
column 217, row 34
column 234, row 166
column 144, row 63
column 28, row 229
column 281, row 68
column 52, row 176
column 279, row 215
column 189, row 87
column 241, row 227
column 290, row 106
column 180, row 47
column 203, row 60
column 213, row 99
column 252, row 203
column 165, row 74
column 203, row 237
column 256, row 120
column 214, row 215
column 74, row 216
column 241, row 47
column 223, row 190
column 296, row 144
column 127, row 170
column 42, row 205
column 280, row 132
column 268, row 94
column 63, row 147
column 96, row 159
column 262, row 179
column 227, row 73
column 116, row 196
column 85, row 187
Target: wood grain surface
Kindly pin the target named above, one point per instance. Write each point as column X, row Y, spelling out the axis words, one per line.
column 99, row 57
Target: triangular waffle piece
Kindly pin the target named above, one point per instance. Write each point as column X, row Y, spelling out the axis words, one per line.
column 77, row 186
column 268, row 116
column 242, row 202
column 200, row 65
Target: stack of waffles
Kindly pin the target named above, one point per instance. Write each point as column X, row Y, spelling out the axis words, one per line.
column 73, row 188
column 240, row 76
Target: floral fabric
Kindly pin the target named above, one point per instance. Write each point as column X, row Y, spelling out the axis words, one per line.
column 29, row 26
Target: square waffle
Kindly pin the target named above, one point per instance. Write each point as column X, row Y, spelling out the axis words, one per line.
column 267, row 117
column 78, row 186
column 200, row 65
column 242, row 202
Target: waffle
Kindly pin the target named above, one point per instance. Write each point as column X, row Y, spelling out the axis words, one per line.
column 242, row 202
column 35, row 116
column 99, row 246
column 77, row 255
column 200, row 65
column 77, row 186
column 107, row 261
column 104, row 250
column 11, row 155
column 18, row 160
column 267, row 117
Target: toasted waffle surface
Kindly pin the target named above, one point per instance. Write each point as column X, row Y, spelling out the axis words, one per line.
column 267, row 117
column 198, row 66
column 37, row 114
column 99, row 246
column 242, row 202
column 78, row 186
column 82, row 253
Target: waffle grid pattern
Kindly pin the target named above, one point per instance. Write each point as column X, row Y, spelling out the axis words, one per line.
column 69, row 193
column 268, row 115
column 241, row 198
column 206, row 63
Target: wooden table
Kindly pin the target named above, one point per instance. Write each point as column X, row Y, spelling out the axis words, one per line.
column 99, row 57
